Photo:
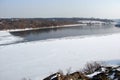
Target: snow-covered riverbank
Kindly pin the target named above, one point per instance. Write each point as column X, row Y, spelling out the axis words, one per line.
column 37, row 60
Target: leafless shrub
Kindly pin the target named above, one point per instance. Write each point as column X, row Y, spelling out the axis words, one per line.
column 91, row 67
column 68, row 71
column 60, row 71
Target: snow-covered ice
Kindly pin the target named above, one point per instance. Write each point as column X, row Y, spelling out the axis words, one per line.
column 37, row 60
column 7, row 38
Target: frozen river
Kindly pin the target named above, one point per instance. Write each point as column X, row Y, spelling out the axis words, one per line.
column 36, row 54
column 57, row 33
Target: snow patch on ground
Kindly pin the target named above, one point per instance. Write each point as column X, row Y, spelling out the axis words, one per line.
column 93, row 74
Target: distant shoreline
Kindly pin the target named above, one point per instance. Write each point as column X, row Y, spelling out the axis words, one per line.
column 50, row 27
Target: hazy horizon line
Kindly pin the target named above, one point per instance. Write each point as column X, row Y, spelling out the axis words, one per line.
column 55, row 17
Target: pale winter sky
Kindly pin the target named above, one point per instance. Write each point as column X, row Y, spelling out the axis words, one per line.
column 59, row 8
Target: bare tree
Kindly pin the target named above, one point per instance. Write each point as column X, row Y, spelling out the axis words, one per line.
column 91, row 67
